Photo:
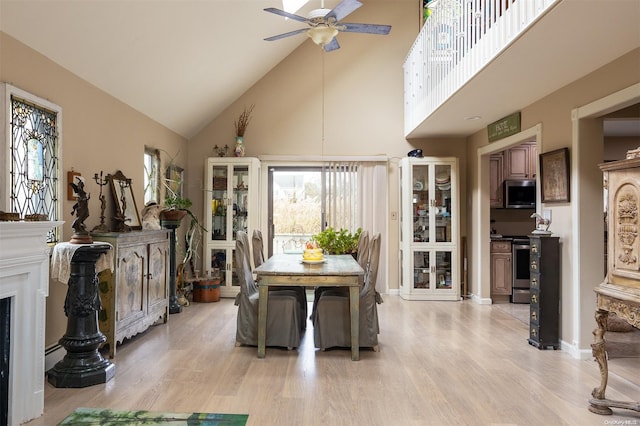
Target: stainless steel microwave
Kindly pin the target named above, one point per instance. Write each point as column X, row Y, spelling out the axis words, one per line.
column 520, row 194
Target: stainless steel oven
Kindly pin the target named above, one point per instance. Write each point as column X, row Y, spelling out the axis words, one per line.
column 520, row 260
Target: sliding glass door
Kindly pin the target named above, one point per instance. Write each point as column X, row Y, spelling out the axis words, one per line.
column 295, row 207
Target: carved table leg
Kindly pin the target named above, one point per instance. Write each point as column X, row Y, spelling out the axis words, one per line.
column 600, row 354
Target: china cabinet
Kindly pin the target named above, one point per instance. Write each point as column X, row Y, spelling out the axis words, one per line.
column 136, row 294
column 429, row 229
column 231, row 204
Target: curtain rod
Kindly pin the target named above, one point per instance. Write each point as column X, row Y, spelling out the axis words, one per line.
column 369, row 158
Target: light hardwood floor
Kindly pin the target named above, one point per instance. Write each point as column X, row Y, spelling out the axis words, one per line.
column 440, row 363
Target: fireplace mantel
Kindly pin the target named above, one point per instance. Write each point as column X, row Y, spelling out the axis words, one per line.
column 24, row 277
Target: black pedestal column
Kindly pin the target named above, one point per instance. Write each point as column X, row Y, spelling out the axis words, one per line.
column 83, row 365
column 172, row 225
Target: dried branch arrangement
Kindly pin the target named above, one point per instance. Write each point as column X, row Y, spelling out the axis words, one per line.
column 243, row 121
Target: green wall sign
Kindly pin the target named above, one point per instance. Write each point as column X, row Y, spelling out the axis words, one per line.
column 507, row 126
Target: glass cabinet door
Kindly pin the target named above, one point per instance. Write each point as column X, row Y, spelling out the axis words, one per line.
column 219, row 203
column 432, row 269
column 442, row 269
column 442, row 203
column 240, row 200
column 421, row 269
column 223, row 261
column 420, row 201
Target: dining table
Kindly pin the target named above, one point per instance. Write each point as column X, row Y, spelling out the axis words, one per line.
column 291, row 270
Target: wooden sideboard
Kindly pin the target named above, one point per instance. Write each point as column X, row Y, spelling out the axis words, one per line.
column 136, row 294
column 620, row 291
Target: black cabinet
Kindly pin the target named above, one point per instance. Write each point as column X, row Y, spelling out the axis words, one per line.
column 544, row 314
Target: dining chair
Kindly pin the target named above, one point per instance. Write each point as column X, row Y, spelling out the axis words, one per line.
column 362, row 256
column 258, row 259
column 332, row 322
column 283, row 309
column 258, row 248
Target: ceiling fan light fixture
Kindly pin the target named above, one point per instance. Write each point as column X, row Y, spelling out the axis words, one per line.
column 322, row 34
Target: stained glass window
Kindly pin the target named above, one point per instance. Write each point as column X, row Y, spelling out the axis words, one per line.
column 34, row 163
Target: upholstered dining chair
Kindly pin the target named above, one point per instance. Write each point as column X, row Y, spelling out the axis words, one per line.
column 362, row 257
column 258, row 259
column 332, row 322
column 283, row 309
column 258, row 248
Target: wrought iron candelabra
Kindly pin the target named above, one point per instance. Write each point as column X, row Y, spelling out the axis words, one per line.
column 103, row 202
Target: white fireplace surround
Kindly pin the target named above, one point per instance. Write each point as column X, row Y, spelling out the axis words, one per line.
column 24, row 277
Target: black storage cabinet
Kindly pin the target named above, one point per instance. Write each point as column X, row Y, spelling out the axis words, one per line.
column 544, row 311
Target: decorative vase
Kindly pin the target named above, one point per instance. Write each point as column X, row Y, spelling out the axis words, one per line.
column 239, row 148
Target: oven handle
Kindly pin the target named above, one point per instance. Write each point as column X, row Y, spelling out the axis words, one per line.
column 521, row 246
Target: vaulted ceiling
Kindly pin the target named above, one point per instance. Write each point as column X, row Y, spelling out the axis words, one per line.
column 184, row 62
column 179, row 62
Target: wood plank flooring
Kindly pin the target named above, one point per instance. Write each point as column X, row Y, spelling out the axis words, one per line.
column 440, row 363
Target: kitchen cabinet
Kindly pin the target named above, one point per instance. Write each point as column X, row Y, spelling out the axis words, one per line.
column 231, row 204
column 544, row 307
column 501, row 269
column 135, row 294
column 496, row 177
column 429, row 229
column 521, row 161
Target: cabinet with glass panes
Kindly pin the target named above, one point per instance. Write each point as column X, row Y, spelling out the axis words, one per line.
column 231, row 205
column 429, row 228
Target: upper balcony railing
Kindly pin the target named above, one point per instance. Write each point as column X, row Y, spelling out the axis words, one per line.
column 458, row 39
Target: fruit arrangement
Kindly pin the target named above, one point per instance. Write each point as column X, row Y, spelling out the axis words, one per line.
column 312, row 252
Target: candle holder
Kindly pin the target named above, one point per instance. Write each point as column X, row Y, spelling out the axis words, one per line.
column 103, row 202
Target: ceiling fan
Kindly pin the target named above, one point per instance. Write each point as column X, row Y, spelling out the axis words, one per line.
column 324, row 24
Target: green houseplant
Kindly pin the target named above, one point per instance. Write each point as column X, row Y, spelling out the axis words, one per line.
column 337, row 242
column 176, row 207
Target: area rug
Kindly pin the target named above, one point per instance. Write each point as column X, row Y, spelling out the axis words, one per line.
column 107, row 417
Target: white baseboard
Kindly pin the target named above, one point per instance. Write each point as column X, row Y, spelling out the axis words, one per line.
column 52, row 355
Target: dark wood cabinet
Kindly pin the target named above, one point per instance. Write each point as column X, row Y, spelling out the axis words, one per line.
column 544, row 311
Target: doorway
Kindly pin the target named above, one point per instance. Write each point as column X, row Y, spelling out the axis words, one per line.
column 482, row 227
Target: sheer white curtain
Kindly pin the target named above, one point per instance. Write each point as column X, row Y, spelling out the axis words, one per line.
column 374, row 205
column 356, row 197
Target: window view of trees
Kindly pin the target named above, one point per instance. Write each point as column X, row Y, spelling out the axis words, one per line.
column 297, row 208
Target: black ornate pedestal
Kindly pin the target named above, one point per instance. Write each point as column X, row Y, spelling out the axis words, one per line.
column 83, row 365
column 174, row 306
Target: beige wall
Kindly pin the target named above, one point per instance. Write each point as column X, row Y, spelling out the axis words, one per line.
column 554, row 114
column 99, row 133
column 363, row 107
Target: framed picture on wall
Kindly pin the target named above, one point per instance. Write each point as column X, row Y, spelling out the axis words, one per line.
column 554, row 176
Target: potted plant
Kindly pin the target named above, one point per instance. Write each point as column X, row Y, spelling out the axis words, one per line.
column 176, row 207
column 337, row 242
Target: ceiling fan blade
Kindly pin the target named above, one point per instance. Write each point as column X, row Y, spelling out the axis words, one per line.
column 332, row 45
column 286, row 14
column 365, row 28
column 343, row 9
column 289, row 34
